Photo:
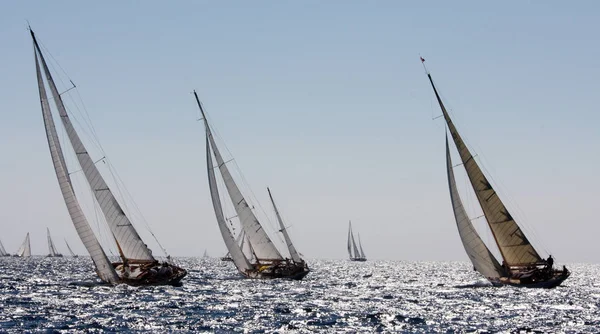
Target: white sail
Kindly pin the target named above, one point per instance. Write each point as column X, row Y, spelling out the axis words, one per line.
column 69, row 248
column 51, row 248
column 103, row 266
column 25, row 249
column 2, row 250
column 288, row 241
column 261, row 243
column 239, row 259
column 362, row 252
column 512, row 242
column 130, row 243
column 350, row 240
column 481, row 257
column 354, row 247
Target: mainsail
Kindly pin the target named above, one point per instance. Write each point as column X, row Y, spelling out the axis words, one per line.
column 2, row 250
column 481, row 257
column 104, row 267
column 70, row 250
column 130, row 243
column 51, row 248
column 25, row 249
column 362, row 252
column 262, row 245
column 512, row 242
column 352, row 247
column 293, row 252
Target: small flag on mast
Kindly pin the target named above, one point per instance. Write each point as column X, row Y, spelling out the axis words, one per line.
column 422, row 59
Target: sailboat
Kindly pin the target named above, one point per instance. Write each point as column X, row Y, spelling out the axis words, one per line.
column 356, row 253
column 70, row 251
column 522, row 265
column 52, row 252
column 3, row 251
column 138, row 266
column 240, row 238
column 25, row 249
column 260, row 258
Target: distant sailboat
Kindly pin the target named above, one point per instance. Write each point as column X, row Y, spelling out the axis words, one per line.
column 262, row 259
column 205, row 256
column 355, row 252
column 25, row 249
column 138, row 266
column 70, row 251
column 2, row 250
column 522, row 265
column 52, row 252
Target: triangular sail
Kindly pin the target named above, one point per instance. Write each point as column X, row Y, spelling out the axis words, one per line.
column 25, row 249
column 512, row 242
column 261, row 243
column 362, row 252
column 70, row 250
column 127, row 237
column 293, row 253
column 103, row 266
column 354, row 247
column 239, row 259
column 481, row 257
column 2, row 250
column 51, row 248
column 350, row 240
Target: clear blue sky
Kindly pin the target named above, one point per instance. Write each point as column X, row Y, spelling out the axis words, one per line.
column 327, row 103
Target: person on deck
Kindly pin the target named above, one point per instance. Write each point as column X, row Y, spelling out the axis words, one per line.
column 550, row 262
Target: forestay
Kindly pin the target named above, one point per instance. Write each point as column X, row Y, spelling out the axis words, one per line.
column 131, row 244
column 481, row 257
column 512, row 242
column 103, row 266
column 262, row 245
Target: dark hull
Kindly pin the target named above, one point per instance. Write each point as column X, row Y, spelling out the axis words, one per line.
column 57, row 255
column 550, row 282
column 358, row 259
column 227, row 259
column 150, row 274
column 294, row 271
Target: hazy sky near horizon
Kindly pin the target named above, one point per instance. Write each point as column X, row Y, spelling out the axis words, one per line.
column 325, row 102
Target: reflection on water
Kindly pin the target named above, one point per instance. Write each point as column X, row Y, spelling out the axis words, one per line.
column 42, row 294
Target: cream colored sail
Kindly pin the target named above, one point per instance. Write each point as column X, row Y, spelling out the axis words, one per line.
column 103, row 266
column 238, row 257
column 51, row 248
column 512, row 242
column 288, row 241
column 481, row 257
column 131, row 244
column 25, row 249
column 261, row 243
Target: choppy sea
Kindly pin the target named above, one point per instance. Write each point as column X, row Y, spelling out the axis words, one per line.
column 61, row 295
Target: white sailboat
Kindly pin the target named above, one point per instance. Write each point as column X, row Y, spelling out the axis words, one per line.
column 355, row 252
column 3, row 251
column 138, row 266
column 25, row 249
column 262, row 259
column 239, row 240
column 70, row 251
column 521, row 265
column 52, row 252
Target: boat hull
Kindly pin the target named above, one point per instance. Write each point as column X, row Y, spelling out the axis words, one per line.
column 294, row 271
column 153, row 273
column 359, row 259
column 550, row 282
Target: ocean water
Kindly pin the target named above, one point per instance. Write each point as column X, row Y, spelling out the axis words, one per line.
column 61, row 295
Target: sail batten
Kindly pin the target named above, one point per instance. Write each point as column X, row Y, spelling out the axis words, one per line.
column 512, row 242
column 288, row 241
column 133, row 246
column 483, row 260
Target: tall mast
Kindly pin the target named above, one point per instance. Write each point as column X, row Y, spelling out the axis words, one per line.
column 288, row 241
column 512, row 242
